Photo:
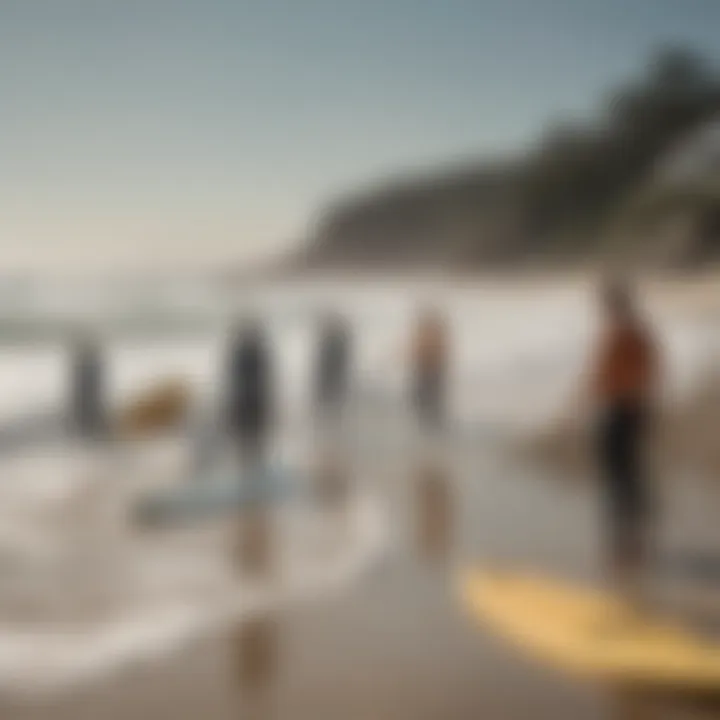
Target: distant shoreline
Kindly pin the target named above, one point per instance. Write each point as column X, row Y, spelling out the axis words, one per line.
column 538, row 274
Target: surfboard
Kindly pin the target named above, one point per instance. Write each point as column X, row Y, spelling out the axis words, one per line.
column 218, row 493
column 591, row 633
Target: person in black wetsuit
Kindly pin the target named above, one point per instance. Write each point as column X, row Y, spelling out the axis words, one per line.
column 88, row 411
column 250, row 387
column 333, row 366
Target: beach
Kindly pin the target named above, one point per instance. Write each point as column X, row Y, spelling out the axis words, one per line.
column 360, row 617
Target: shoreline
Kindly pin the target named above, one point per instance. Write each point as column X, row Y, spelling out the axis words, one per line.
column 333, row 654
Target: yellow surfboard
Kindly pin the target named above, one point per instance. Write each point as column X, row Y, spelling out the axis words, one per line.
column 591, row 633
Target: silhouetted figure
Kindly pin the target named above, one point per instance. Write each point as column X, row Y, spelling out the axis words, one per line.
column 430, row 365
column 88, row 403
column 250, row 388
column 624, row 385
column 333, row 366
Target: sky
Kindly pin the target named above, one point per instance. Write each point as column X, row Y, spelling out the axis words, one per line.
column 163, row 133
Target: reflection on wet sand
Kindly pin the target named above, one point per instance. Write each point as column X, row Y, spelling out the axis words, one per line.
column 256, row 653
column 434, row 512
column 255, row 542
column 331, row 488
column 363, row 654
column 255, row 644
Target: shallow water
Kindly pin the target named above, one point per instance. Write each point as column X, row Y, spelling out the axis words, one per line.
column 359, row 620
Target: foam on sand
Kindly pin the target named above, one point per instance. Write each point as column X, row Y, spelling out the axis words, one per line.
column 86, row 594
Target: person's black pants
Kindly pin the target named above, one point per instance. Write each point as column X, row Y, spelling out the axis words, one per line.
column 89, row 418
column 330, row 393
column 621, row 450
column 249, row 423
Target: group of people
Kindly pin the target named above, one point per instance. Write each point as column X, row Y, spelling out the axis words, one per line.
column 249, row 383
column 250, row 377
column 620, row 391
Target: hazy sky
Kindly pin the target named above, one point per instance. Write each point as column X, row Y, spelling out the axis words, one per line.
column 211, row 129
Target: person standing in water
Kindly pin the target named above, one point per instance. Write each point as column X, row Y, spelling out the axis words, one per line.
column 624, row 386
column 250, row 388
column 88, row 411
column 429, row 354
column 333, row 366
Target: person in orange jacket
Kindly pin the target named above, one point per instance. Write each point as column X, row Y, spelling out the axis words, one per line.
column 430, row 360
column 623, row 385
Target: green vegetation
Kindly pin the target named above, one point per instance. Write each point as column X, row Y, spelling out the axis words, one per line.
column 584, row 190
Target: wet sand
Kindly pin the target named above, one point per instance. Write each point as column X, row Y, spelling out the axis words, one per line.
column 395, row 644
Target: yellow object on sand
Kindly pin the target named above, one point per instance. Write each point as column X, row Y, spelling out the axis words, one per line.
column 159, row 408
column 591, row 633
